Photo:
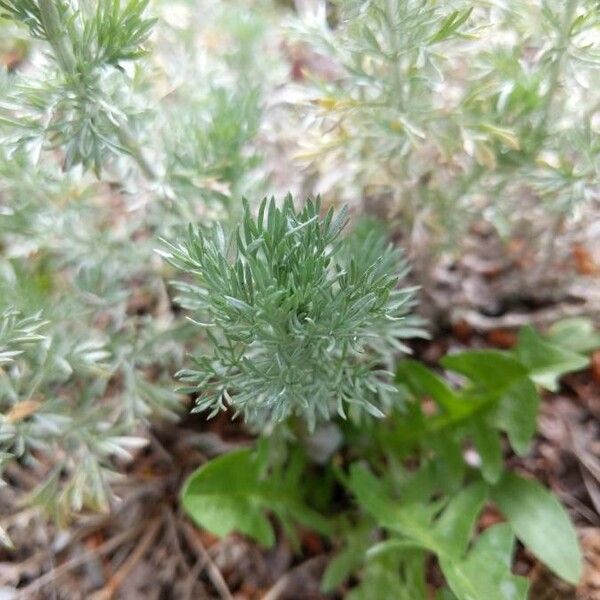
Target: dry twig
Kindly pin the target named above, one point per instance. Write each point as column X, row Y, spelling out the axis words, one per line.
column 212, row 571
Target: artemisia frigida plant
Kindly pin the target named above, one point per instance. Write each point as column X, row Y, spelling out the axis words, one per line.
column 304, row 327
column 65, row 279
column 91, row 174
column 301, row 326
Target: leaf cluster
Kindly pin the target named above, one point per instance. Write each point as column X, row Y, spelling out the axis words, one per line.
column 81, row 375
column 207, row 145
column 53, row 385
column 297, row 316
column 232, row 492
column 29, row 12
column 499, row 395
column 85, row 90
column 117, row 32
column 479, row 568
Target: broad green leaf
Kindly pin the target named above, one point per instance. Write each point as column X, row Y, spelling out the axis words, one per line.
column 411, row 520
column 392, row 546
column 456, row 523
column 400, row 577
column 285, row 503
column 488, row 445
column 491, row 369
column 505, row 382
column 452, row 529
column 346, row 561
column 516, row 413
column 340, row 568
column 227, row 494
column 444, row 594
column 575, row 334
column 541, row 523
column 547, row 362
column 371, row 494
column 449, row 466
column 413, row 575
column 423, row 382
column 446, row 535
column 485, row 573
column 378, row 581
column 421, row 484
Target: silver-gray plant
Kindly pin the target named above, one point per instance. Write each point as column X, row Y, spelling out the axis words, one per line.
column 302, row 322
column 83, row 100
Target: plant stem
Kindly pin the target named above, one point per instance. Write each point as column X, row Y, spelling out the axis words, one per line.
column 540, row 131
column 56, row 34
column 130, row 144
column 561, row 49
column 396, row 67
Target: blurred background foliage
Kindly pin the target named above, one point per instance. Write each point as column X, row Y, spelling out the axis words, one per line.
column 439, row 114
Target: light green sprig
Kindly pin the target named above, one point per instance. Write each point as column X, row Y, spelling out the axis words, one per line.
column 300, row 320
column 84, row 102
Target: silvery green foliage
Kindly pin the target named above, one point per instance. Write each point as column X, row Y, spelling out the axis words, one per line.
column 451, row 110
column 207, row 145
column 77, row 254
column 16, row 333
column 209, row 130
column 83, row 100
column 80, row 393
column 57, row 413
column 300, row 319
